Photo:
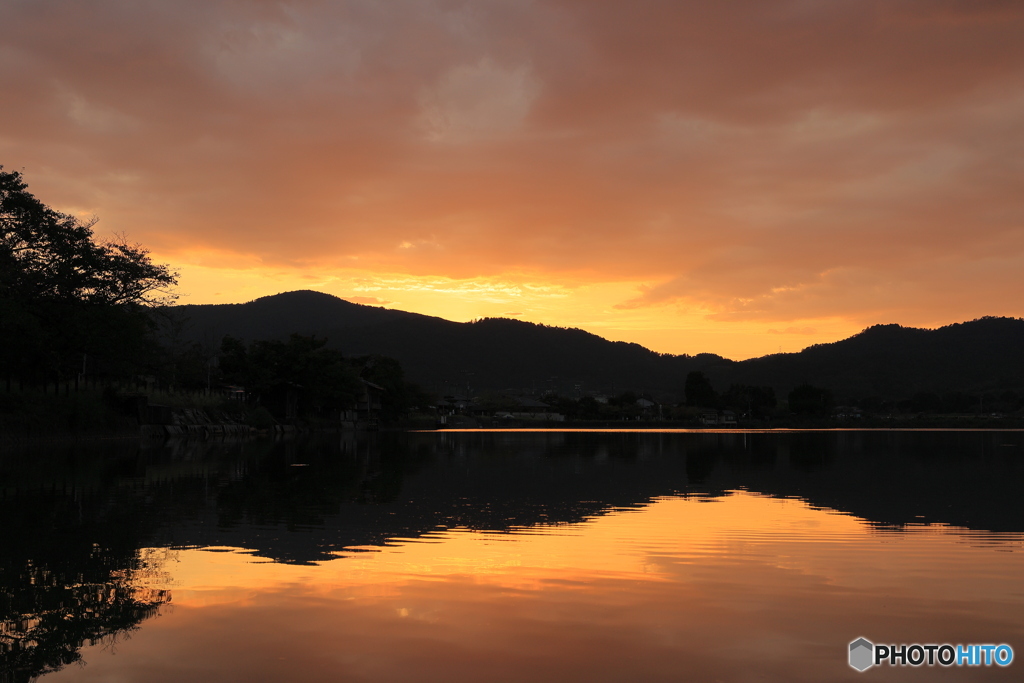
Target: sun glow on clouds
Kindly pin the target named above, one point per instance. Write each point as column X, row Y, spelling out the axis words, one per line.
column 667, row 328
column 688, row 175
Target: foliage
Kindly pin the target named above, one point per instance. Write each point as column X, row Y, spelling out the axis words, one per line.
column 46, row 255
column 67, row 300
column 751, row 400
column 399, row 397
column 699, row 391
column 588, row 408
column 623, row 400
column 33, row 413
column 321, row 378
column 810, row 400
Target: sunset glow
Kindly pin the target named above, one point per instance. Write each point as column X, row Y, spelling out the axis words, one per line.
column 737, row 177
column 622, row 545
column 637, row 590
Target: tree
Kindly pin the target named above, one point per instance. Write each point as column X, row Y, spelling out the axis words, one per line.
column 46, row 255
column 750, row 399
column 322, row 379
column 810, row 400
column 399, row 396
column 699, row 391
column 65, row 297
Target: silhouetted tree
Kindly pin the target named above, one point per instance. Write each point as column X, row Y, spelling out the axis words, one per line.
column 399, row 396
column 748, row 399
column 699, row 391
column 564, row 405
column 625, row 404
column 46, row 255
column 321, row 377
column 810, row 400
column 589, row 409
column 65, row 296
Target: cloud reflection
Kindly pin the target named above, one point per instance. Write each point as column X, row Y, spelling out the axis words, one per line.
column 675, row 590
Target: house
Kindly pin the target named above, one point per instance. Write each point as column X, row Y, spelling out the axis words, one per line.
column 455, row 404
column 649, row 410
column 532, row 409
column 368, row 403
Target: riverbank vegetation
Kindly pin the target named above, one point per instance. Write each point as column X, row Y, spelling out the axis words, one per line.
column 89, row 343
column 86, row 335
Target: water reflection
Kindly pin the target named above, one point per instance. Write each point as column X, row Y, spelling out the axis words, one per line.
column 508, row 556
column 54, row 600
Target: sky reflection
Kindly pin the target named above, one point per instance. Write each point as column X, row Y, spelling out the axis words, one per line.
column 746, row 587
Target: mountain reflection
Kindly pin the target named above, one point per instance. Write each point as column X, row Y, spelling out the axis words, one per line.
column 76, row 516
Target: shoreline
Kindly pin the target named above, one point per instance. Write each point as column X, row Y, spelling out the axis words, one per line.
column 13, row 440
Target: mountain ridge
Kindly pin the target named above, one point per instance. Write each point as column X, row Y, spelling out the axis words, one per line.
column 885, row 360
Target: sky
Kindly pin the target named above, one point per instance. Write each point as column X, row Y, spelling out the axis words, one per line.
column 738, row 176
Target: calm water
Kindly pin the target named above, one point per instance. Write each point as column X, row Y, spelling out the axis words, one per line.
column 510, row 556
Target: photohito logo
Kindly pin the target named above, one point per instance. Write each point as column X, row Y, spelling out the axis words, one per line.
column 864, row 654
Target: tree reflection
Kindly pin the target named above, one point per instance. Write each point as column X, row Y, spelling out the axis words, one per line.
column 71, row 571
column 48, row 612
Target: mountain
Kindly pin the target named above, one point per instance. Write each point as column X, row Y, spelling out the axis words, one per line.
column 891, row 361
column 885, row 361
column 270, row 317
column 446, row 356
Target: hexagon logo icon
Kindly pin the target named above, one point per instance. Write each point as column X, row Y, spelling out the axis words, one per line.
column 862, row 654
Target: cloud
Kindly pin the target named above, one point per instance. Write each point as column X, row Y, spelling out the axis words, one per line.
column 761, row 160
column 477, row 102
column 367, row 300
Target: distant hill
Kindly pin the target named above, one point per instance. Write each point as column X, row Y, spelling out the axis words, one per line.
column 891, row 361
column 303, row 312
column 886, row 361
column 495, row 353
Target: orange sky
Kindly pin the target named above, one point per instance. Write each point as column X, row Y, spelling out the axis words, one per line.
column 738, row 176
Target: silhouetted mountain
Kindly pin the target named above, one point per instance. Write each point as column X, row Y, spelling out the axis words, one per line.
column 442, row 355
column 891, row 361
column 886, row 361
column 271, row 317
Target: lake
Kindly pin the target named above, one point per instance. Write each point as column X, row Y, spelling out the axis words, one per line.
column 511, row 556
